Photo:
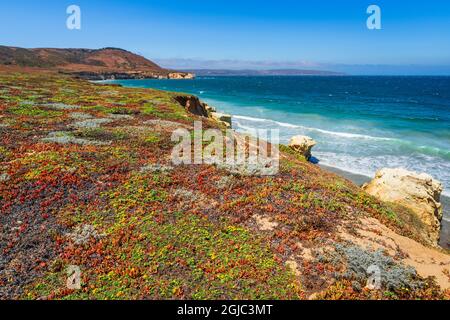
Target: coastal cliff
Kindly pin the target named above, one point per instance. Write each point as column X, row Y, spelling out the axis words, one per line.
column 87, row 180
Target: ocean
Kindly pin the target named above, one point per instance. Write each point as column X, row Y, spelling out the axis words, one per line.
column 360, row 123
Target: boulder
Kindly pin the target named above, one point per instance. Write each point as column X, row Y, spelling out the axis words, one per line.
column 210, row 109
column 193, row 105
column 303, row 145
column 222, row 117
column 416, row 191
column 181, row 75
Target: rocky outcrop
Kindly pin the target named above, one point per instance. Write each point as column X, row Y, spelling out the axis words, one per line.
column 303, row 145
column 96, row 76
column 99, row 76
column 210, row 109
column 223, row 118
column 418, row 192
column 193, row 105
column 181, row 75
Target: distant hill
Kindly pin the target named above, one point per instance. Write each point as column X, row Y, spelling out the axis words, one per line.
column 272, row 72
column 103, row 63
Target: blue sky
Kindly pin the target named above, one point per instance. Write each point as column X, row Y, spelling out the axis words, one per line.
column 415, row 35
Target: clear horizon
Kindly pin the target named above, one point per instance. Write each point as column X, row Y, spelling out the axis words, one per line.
column 330, row 35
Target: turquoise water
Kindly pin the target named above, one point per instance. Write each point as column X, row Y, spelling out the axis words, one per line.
column 361, row 124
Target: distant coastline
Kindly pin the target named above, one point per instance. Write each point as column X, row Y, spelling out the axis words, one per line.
column 266, row 72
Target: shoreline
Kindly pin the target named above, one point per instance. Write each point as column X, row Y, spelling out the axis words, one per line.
column 359, row 180
column 236, row 115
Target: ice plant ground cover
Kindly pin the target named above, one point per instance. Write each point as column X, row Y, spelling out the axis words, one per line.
column 86, row 180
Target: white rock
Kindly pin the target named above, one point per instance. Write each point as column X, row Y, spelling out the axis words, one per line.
column 416, row 191
column 303, row 145
column 222, row 117
column 210, row 108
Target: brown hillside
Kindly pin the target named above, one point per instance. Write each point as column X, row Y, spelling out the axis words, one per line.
column 87, row 63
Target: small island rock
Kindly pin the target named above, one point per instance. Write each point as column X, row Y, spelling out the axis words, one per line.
column 222, row 117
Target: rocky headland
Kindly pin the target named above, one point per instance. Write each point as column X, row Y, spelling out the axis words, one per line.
column 89, row 64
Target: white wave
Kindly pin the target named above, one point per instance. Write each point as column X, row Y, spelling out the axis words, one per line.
column 251, row 119
column 288, row 125
column 349, row 135
column 334, row 133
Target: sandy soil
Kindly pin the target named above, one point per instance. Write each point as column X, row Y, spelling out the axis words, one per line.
column 427, row 261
